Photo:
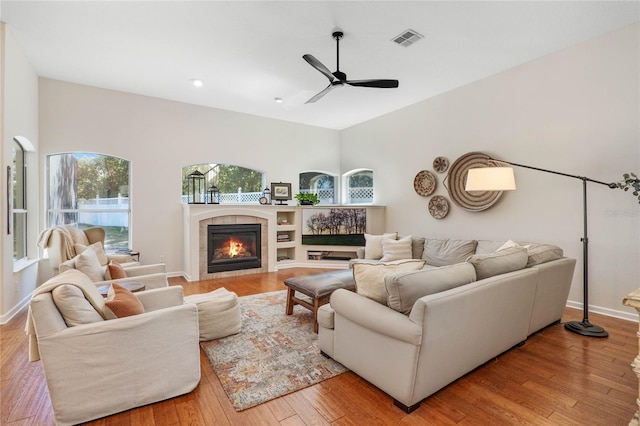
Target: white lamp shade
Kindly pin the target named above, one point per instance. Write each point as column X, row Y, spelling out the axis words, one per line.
column 490, row 179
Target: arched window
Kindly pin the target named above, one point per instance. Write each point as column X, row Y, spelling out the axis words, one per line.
column 236, row 184
column 320, row 183
column 86, row 190
column 358, row 186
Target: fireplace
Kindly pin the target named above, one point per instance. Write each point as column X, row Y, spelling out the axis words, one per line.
column 233, row 247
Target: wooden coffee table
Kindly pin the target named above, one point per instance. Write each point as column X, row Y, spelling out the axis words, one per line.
column 131, row 286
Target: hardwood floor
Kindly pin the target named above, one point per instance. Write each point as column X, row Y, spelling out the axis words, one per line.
column 555, row 378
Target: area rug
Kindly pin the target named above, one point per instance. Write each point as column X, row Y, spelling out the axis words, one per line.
column 274, row 354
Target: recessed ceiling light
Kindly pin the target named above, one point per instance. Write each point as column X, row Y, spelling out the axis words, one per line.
column 278, row 100
column 197, row 82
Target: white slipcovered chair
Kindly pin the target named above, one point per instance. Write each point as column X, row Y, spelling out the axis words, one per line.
column 96, row 367
column 63, row 242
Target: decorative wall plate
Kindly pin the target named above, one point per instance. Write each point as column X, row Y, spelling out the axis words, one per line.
column 440, row 164
column 438, row 206
column 424, row 183
column 457, row 179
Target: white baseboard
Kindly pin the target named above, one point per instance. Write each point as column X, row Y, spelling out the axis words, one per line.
column 605, row 311
column 15, row 310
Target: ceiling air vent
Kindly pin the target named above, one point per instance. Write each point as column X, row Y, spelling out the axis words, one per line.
column 407, row 38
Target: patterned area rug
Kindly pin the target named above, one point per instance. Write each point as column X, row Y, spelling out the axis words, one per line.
column 274, row 354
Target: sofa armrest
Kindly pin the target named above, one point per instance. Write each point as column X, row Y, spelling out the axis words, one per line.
column 137, row 270
column 375, row 316
column 150, row 281
column 160, row 298
column 119, row 258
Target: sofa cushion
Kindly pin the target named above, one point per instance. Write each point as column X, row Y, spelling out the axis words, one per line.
column 541, row 253
column 417, row 246
column 88, row 263
column 97, row 247
column 396, row 249
column 499, row 262
column 121, row 303
column 369, row 278
column 74, row 306
column 114, row 271
column 404, row 288
column 373, row 245
column 447, row 252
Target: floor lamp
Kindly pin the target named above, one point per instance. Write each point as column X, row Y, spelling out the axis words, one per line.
column 501, row 178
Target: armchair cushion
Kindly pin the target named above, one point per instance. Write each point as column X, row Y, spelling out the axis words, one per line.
column 74, row 306
column 121, row 303
column 88, row 263
column 97, row 247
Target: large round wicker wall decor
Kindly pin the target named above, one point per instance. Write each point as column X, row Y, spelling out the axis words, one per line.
column 457, row 179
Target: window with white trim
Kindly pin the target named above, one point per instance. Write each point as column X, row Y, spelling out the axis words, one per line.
column 86, row 190
column 358, row 186
column 18, row 184
column 320, row 183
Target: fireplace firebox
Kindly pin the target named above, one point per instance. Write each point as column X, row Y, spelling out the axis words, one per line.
column 233, row 247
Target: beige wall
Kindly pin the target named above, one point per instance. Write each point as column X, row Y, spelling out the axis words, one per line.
column 20, row 118
column 159, row 137
column 576, row 111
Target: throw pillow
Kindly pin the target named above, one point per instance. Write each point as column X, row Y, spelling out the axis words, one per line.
column 447, row 252
column 121, row 303
column 114, row 271
column 396, row 249
column 405, row 288
column 369, row 277
column 88, row 263
column 97, row 247
column 499, row 262
column 541, row 253
column 508, row 244
column 373, row 245
column 74, row 306
column 417, row 246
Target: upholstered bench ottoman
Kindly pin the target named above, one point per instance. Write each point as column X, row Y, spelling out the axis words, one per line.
column 218, row 313
column 318, row 288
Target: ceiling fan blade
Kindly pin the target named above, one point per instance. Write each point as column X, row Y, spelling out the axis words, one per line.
column 318, row 65
column 320, row 95
column 382, row 84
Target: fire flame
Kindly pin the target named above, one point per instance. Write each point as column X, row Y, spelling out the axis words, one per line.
column 235, row 247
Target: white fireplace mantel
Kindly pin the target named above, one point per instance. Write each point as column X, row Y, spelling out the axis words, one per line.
column 193, row 214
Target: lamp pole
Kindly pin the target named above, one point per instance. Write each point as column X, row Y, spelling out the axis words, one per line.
column 583, row 327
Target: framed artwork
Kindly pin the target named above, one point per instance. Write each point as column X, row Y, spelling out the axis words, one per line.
column 334, row 226
column 281, row 192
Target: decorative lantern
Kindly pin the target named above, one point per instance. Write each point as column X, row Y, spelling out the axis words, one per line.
column 214, row 195
column 195, row 183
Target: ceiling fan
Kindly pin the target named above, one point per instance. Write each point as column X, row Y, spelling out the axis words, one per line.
column 338, row 78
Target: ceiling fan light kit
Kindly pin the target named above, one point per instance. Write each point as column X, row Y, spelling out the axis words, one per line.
column 338, row 78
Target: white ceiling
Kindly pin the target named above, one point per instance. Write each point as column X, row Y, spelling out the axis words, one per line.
column 250, row 52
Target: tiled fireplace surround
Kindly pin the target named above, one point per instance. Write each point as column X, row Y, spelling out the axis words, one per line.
column 198, row 217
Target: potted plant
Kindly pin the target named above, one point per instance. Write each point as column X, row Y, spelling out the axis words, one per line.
column 307, row 199
column 630, row 180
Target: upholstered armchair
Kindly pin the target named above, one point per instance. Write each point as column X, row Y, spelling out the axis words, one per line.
column 152, row 276
column 64, row 241
column 96, row 367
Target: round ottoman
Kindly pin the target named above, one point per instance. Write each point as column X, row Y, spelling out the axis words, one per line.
column 218, row 313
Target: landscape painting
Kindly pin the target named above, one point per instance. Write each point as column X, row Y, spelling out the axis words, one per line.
column 334, row 226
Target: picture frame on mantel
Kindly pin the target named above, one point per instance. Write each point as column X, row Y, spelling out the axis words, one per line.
column 281, row 192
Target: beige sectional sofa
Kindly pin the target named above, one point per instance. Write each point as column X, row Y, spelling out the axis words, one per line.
column 444, row 317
